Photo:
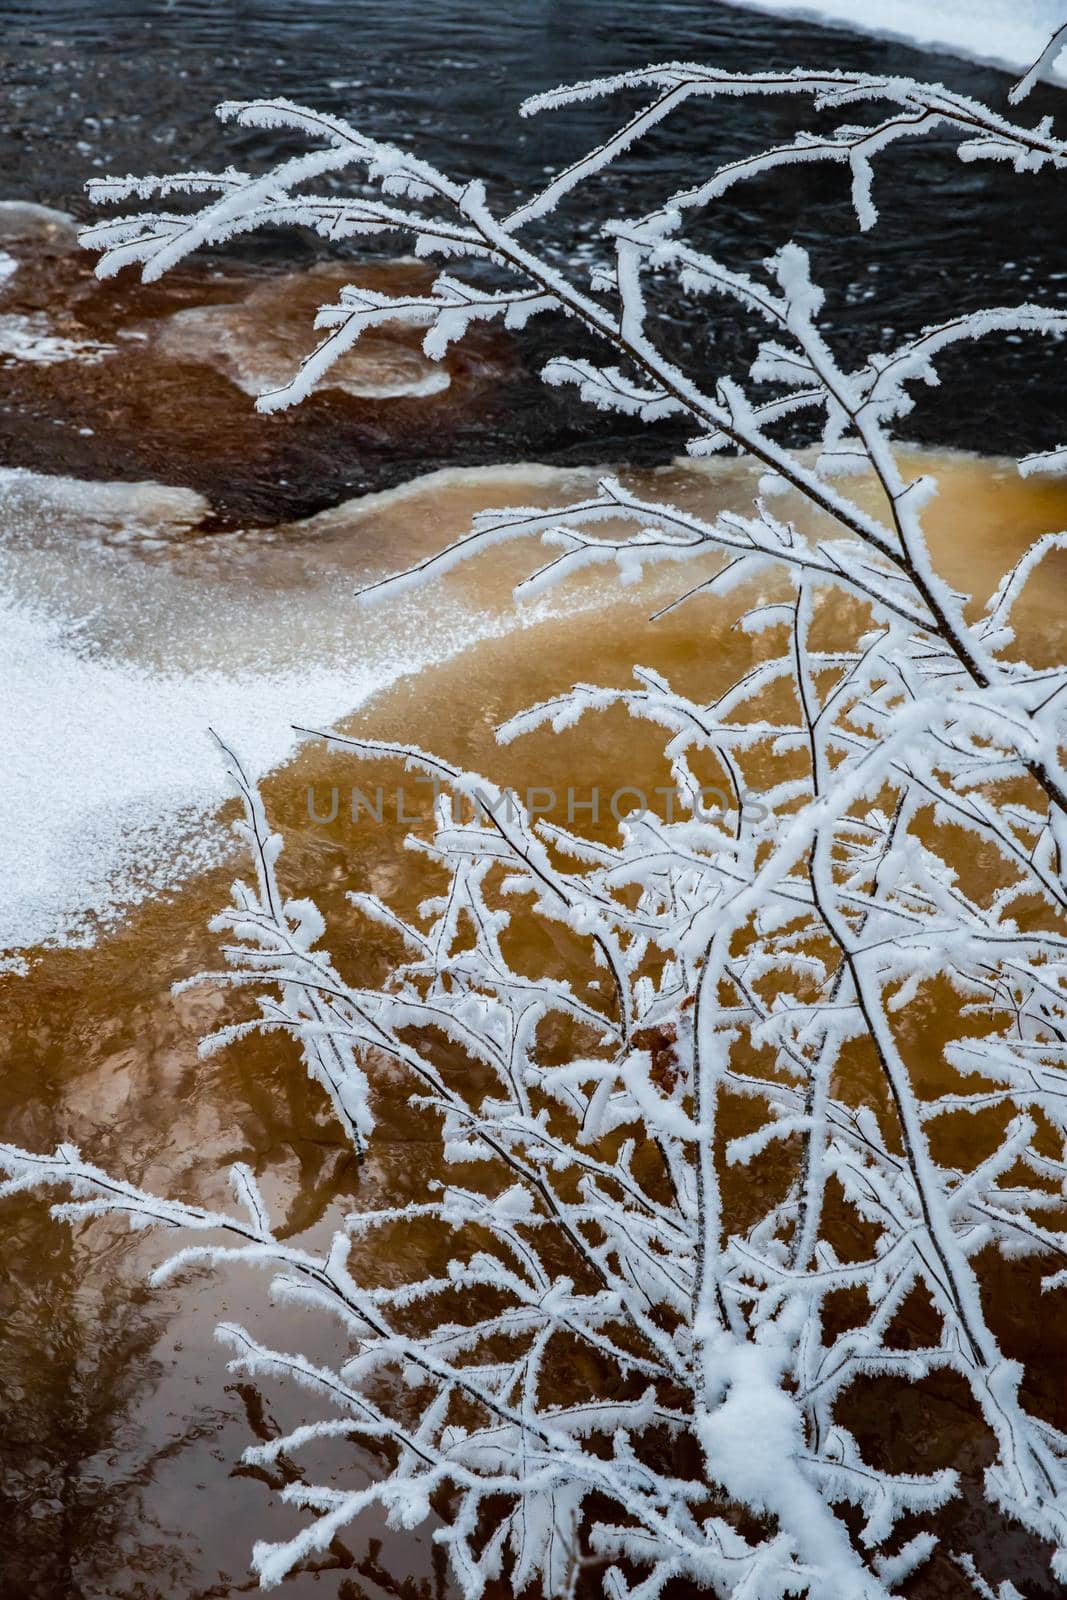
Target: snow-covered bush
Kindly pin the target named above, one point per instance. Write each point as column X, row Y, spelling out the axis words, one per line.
column 729, row 1195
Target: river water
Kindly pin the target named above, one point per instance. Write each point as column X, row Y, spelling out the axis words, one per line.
column 100, row 85
column 168, row 559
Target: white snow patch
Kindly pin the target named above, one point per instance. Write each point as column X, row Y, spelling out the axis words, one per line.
column 110, row 776
column 1004, row 33
column 30, row 338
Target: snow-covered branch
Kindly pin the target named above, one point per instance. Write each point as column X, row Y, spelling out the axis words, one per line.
column 706, row 1168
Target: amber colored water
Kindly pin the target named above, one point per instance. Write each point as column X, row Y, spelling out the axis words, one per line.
column 122, row 1431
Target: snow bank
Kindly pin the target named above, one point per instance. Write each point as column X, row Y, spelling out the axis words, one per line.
column 1005, row 33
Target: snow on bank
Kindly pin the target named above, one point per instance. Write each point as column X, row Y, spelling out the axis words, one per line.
column 1005, row 33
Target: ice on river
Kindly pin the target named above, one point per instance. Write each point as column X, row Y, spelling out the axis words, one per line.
column 127, row 628
column 125, row 633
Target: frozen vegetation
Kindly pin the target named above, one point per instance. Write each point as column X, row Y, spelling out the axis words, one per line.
column 705, row 1170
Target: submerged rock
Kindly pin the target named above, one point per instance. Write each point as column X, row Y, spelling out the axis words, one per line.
column 21, row 219
column 259, row 341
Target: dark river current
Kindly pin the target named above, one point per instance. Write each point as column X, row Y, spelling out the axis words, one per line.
column 129, row 87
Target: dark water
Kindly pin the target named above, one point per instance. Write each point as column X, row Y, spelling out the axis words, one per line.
column 92, row 87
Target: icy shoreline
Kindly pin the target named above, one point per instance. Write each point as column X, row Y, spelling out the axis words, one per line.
column 122, row 644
